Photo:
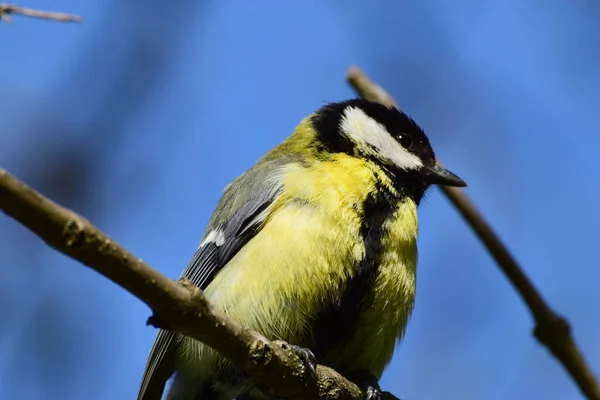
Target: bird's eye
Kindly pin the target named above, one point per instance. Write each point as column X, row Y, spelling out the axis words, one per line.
column 405, row 141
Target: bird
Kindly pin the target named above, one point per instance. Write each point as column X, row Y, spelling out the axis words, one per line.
column 315, row 245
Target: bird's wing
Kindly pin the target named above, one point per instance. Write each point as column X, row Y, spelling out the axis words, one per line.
column 159, row 367
column 238, row 217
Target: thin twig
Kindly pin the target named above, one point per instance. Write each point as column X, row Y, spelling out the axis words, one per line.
column 551, row 329
column 180, row 308
column 7, row 9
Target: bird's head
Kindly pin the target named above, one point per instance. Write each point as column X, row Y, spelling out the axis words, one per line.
column 385, row 136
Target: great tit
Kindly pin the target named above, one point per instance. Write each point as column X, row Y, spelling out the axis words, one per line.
column 315, row 245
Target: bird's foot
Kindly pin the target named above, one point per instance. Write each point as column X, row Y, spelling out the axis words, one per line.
column 307, row 357
column 373, row 393
column 369, row 384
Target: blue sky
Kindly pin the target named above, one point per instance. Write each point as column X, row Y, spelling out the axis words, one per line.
column 140, row 116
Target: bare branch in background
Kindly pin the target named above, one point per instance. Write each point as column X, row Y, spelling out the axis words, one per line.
column 7, row 9
column 180, row 308
column 551, row 330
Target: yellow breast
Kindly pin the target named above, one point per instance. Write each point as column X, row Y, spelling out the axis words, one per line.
column 387, row 308
column 304, row 255
column 395, row 287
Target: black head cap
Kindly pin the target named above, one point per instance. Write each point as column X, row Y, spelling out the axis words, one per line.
column 401, row 146
column 327, row 122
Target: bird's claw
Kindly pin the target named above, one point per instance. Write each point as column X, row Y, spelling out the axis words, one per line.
column 307, row 357
column 368, row 383
column 373, row 393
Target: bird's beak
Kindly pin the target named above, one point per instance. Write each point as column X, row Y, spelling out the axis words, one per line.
column 438, row 175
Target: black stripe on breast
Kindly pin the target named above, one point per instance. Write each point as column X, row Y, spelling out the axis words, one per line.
column 337, row 321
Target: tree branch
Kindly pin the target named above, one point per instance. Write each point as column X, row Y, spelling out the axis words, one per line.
column 7, row 9
column 180, row 308
column 551, row 330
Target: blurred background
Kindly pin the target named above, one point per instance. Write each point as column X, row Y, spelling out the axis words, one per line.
column 140, row 116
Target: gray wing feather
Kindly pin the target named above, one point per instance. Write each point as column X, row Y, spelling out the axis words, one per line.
column 160, row 366
column 238, row 217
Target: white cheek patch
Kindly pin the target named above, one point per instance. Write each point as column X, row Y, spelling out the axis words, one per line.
column 374, row 139
column 217, row 237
